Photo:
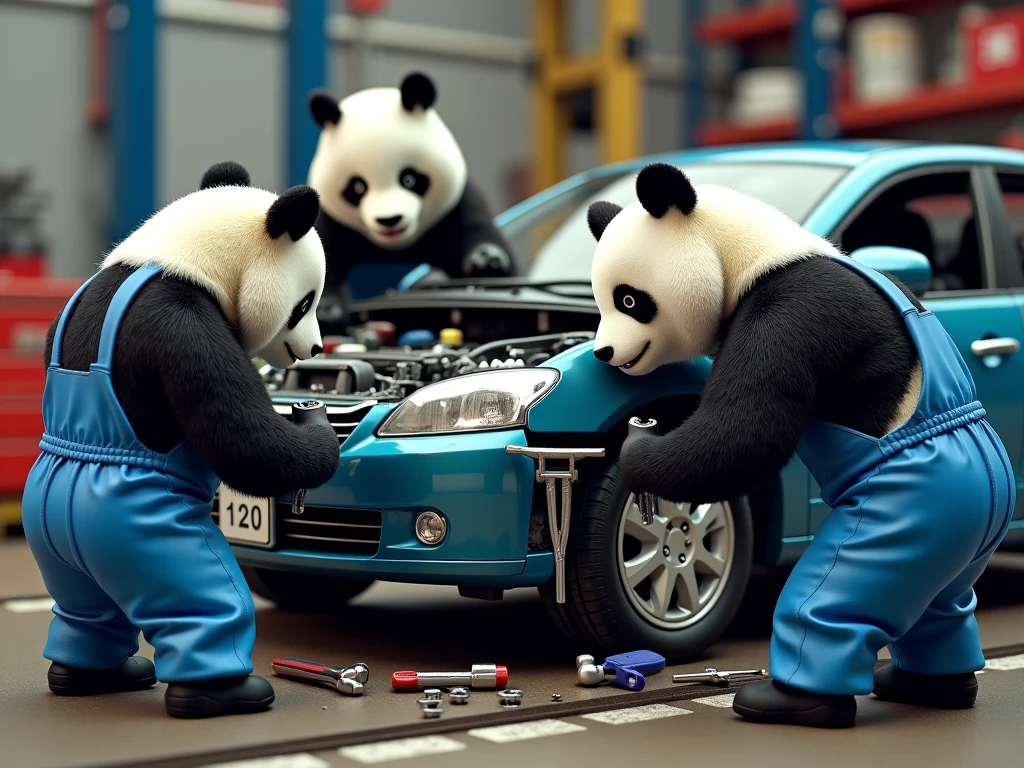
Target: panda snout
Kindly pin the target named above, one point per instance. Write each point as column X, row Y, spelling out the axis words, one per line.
column 389, row 221
column 604, row 354
column 316, row 350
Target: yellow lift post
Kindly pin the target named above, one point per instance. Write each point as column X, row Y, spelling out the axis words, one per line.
column 613, row 73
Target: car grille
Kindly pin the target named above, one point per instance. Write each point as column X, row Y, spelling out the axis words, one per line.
column 334, row 530
column 344, row 418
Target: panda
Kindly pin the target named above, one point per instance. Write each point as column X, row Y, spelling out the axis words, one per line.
column 151, row 400
column 394, row 188
column 816, row 355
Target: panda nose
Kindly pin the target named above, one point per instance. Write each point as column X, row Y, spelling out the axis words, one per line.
column 604, row 354
column 389, row 221
column 316, row 350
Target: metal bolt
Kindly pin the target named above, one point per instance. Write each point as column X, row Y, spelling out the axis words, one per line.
column 432, row 707
column 664, row 551
column 682, row 558
column 510, row 697
column 556, row 697
column 684, row 527
column 688, row 542
column 432, row 693
column 458, row 695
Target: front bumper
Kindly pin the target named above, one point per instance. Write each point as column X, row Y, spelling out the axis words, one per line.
column 484, row 493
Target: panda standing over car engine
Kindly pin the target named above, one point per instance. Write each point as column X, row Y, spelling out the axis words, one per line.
column 817, row 355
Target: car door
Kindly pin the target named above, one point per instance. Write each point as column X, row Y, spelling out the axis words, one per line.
column 947, row 213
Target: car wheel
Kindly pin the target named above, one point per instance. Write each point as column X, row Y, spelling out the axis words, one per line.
column 672, row 587
column 303, row 592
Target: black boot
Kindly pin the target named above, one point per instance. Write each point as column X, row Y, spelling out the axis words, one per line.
column 222, row 696
column 768, row 701
column 136, row 674
column 937, row 691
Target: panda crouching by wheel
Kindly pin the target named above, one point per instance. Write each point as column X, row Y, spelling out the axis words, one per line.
column 151, row 400
column 394, row 188
column 817, row 355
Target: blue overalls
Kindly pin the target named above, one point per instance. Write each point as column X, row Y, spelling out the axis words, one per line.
column 915, row 517
column 123, row 535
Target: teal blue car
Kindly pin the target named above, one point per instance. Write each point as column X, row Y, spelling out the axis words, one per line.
column 481, row 451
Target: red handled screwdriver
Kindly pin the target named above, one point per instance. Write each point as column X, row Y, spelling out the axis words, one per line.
column 480, row 676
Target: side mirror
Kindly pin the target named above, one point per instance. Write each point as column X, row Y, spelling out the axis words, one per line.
column 910, row 267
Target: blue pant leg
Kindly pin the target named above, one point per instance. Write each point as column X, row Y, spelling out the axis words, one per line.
column 173, row 573
column 88, row 629
column 945, row 640
column 890, row 546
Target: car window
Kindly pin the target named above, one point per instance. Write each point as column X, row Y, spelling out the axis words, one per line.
column 1012, row 185
column 793, row 188
column 933, row 214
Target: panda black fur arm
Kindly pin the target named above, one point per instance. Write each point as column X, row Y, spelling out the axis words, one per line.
column 180, row 373
column 810, row 340
column 471, row 225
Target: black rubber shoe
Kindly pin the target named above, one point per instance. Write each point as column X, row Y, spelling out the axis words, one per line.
column 935, row 691
column 767, row 701
column 136, row 674
column 223, row 696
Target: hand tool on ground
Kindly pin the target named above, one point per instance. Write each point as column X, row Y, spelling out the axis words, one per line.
column 625, row 669
column 348, row 680
column 480, row 676
column 558, row 520
column 645, row 502
column 712, row 676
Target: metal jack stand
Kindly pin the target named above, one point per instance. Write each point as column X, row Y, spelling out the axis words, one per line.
column 559, row 533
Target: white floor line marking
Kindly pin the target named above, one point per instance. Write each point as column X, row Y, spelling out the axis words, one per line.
column 502, row 734
column 637, row 714
column 29, row 604
column 1007, row 662
column 399, row 749
column 301, row 760
column 722, row 700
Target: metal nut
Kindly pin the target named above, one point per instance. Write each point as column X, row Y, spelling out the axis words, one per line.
column 432, row 708
column 556, row 697
column 432, row 713
column 510, row 697
column 458, row 695
column 432, row 693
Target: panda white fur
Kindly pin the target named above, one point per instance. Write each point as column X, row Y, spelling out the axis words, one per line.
column 243, row 271
column 688, row 271
column 393, row 186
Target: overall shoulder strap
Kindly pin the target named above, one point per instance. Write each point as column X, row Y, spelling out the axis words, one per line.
column 880, row 281
column 116, row 312
column 58, row 336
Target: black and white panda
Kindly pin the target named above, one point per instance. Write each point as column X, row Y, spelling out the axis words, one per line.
column 794, row 335
column 817, row 355
column 394, row 186
column 220, row 276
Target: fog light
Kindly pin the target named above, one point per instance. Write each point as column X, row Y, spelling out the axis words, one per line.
column 431, row 528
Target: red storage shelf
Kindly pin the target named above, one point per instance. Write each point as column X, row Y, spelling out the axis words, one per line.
column 21, row 416
column 17, row 455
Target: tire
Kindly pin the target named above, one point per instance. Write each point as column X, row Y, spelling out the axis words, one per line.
column 303, row 592
column 602, row 612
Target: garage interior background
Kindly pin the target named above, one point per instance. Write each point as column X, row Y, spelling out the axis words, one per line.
column 109, row 110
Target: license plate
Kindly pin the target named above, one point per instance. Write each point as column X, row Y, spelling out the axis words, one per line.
column 245, row 519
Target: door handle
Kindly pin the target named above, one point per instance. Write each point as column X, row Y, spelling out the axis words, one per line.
column 986, row 347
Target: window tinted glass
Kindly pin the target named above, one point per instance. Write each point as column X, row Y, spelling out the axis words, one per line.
column 794, row 189
column 1013, row 201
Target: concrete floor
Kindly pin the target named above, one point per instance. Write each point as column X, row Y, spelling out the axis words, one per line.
column 398, row 626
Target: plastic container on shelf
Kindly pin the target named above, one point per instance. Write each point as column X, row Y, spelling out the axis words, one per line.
column 994, row 44
column 767, row 93
column 953, row 68
column 886, row 57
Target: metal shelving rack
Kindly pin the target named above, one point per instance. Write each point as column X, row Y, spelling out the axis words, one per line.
column 816, row 29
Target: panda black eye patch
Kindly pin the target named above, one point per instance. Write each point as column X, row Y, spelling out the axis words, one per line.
column 354, row 191
column 636, row 303
column 301, row 309
column 414, row 181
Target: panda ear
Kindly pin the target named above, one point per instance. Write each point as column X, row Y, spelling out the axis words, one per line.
column 227, row 174
column 294, row 212
column 324, row 108
column 418, row 91
column 600, row 215
column 660, row 186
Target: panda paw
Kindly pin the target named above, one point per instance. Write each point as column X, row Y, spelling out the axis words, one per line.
column 634, row 460
column 487, row 260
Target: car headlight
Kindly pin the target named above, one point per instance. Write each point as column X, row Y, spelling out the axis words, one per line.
column 477, row 401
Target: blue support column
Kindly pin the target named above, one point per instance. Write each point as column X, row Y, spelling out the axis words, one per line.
column 307, row 57
column 817, row 36
column 133, row 105
column 693, row 74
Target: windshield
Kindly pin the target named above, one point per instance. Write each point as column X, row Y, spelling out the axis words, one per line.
column 559, row 245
